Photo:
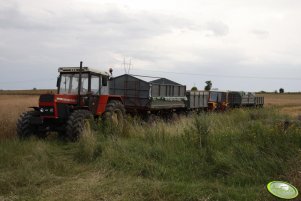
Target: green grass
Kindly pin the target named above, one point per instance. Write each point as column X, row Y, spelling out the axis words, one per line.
column 229, row 156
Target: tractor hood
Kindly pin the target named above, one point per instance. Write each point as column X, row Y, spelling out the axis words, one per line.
column 47, row 98
column 58, row 98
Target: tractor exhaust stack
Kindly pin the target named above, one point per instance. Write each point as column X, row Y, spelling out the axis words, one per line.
column 79, row 82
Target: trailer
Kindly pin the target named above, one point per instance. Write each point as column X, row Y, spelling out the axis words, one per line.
column 197, row 100
column 259, row 101
column 159, row 95
column 244, row 99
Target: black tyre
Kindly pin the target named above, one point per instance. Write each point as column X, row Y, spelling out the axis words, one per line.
column 24, row 127
column 114, row 113
column 78, row 122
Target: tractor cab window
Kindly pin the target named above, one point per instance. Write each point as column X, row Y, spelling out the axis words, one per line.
column 69, row 83
column 85, row 84
column 95, row 81
column 222, row 97
column 64, row 86
column 213, row 96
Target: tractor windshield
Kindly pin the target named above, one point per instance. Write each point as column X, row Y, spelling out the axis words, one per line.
column 213, row 97
column 69, row 83
column 218, row 97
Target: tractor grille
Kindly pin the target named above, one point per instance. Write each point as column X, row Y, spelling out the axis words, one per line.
column 63, row 110
column 47, row 98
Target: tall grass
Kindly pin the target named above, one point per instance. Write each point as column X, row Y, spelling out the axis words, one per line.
column 88, row 147
column 244, row 149
column 230, row 156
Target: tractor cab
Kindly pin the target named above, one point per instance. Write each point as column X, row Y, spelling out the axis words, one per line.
column 218, row 100
column 93, row 82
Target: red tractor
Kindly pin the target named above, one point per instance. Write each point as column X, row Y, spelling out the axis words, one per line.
column 82, row 97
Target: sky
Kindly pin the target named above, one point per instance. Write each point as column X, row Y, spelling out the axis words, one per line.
column 249, row 45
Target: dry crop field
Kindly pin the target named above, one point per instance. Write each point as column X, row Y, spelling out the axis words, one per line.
column 289, row 103
column 27, row 92
column 11, row 108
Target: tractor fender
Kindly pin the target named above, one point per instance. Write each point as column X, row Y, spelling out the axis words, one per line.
column 117, row 98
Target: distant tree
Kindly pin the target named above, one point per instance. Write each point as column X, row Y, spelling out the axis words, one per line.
column 275, row 91
column 34, row 89
column 208, row 85
column 281, row 90
column 194, row 88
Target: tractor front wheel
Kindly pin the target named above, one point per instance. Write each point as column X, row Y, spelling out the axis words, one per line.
column 79, row 122
column 25, row 128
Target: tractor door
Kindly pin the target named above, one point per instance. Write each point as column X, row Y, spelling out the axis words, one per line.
column 94, row 92
column 104, row 85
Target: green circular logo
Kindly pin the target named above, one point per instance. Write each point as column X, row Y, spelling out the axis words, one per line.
column 282, row 190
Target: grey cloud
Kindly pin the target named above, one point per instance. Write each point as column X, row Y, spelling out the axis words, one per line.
column 12, row 17
column 136, row 24
column 217, row 28
column 111, row 20
column 57, row 35
column 261, row 34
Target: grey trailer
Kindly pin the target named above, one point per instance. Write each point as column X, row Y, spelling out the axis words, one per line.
column 156, row 95
column 241, row 99
column 197, row 100
column 259, row 101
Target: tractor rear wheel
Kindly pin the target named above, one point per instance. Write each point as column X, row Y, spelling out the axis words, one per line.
column 79, row 122
column 24, row 127
column 115, row 113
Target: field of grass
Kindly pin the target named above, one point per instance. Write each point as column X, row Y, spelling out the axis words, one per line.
column 228, row 156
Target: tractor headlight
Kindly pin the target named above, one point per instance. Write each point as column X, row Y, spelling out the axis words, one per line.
column 47, row 110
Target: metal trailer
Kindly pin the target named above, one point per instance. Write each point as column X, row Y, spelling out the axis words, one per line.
column 197, row 100
column 140, row 95
column 241, row 99
column 259, row 101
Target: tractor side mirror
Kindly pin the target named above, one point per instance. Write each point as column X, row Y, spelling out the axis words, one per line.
column 58, row 81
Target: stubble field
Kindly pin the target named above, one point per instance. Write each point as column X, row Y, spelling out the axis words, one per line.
column 288, row 103
column 229, row 156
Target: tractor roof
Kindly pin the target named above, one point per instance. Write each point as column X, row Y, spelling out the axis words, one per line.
column 84, row 69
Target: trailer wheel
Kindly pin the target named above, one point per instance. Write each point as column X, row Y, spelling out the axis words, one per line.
column 114, row 113
column 78, row 122
column 24, row 127
column 152, row 118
